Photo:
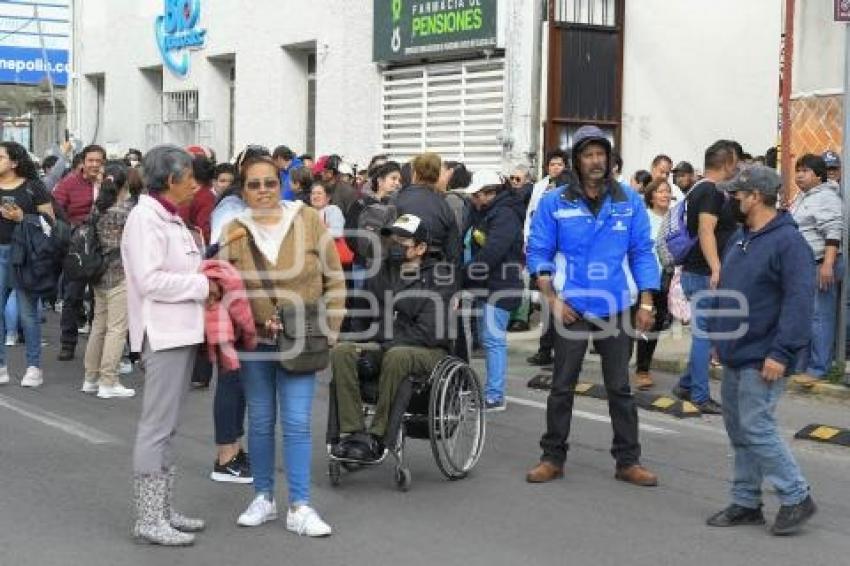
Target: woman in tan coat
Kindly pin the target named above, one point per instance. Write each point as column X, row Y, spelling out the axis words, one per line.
column 285, row 257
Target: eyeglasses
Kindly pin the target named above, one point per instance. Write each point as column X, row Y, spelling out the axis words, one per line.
column 516, row 179
column 268, row 184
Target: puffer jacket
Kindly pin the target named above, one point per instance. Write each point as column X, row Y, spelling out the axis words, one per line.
column 433, row 209
column 819, row 215
column 497, row 243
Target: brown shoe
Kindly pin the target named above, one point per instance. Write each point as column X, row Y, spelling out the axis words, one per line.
column 643, row 380
column 804, row 380
column 544, row 472
column 637, row 475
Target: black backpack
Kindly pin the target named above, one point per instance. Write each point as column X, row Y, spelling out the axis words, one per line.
column 85, row 261
column 373, row 218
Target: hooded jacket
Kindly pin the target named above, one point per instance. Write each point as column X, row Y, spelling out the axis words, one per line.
column 595, row 240
column 773, row 269
column 286, row 192
column 433, row 209
column 497, row 249
column 819, row 213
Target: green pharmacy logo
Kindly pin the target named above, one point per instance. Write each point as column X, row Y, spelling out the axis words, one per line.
column 395, row 43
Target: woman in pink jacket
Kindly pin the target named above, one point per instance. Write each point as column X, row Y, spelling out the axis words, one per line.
column 165, row 298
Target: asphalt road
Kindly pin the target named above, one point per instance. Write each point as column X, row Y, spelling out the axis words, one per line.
column 65, row 492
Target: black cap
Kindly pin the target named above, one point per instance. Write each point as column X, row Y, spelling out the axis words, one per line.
column 683, row 167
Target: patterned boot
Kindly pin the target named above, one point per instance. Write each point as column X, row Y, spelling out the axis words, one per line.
column 178, row 521
column 150, row 492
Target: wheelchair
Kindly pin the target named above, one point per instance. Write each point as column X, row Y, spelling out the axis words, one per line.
column 446, row 408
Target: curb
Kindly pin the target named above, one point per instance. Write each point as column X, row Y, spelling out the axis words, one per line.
column 674, row 366
column 825, row 434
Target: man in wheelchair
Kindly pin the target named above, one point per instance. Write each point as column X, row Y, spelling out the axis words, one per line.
column 407, row 336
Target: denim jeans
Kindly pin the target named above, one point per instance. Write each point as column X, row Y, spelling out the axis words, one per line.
column 28, row 314
column 228, row 407
column 269, row 389
column 823, row 326
column 493, row 328
column 749, row 412
column 11, row 316
column 695, row 378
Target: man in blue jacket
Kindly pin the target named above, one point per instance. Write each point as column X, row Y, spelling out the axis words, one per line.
column 767, row 280
column 596, row 224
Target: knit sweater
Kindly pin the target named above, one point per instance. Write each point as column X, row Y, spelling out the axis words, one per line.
column 307, row 269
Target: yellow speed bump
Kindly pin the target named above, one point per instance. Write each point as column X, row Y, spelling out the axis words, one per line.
column 826, row 434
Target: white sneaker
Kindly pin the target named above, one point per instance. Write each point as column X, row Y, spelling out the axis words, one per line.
column 126, row 367
column 32, row 377
column 305, row 521
column 258, row 512
column 4, row 375
column 114, row 391
column 84, row 329
column 11, row 339
column 89, row 386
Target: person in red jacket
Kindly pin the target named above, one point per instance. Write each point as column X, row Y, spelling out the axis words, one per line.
column 75, row 195
column 198, row 212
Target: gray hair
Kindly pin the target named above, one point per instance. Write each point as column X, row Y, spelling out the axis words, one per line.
column 164, row 164
column 526, row 172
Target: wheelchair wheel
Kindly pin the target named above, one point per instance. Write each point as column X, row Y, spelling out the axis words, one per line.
column 456, row 418
column 334, row 472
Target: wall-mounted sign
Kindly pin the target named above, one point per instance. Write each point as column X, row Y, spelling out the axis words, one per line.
column 419, row 29
column 27, row 65
column 177, row 32
column 842, row 10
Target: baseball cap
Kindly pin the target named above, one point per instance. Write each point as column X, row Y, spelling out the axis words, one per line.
column 481, row 180
column 408, row 226
column 832, row 160
column 756, row 178
column 683, row 167
column 320, row 164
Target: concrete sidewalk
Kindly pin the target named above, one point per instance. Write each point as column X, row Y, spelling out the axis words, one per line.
column 671, row 357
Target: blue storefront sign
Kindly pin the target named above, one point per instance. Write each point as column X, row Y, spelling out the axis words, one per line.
column 27, row 65
column 177, row 32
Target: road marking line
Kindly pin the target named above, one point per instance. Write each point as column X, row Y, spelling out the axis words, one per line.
column 68, row 426
column 591, row 416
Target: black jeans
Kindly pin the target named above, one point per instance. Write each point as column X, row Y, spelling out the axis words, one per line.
column 229, row 408
column 615, row 351
column 72, row 312
column 547, row 338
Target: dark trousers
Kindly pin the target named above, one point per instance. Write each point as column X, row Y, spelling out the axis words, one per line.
column 229, row 408
column 547, row 339
column 646, row 348
column 615, row 351
column 72, row 309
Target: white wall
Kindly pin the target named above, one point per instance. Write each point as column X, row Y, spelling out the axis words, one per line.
column 818, row 49
column 697, row 71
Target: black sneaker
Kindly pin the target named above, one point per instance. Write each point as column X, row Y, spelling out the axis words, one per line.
column 791, row 518
column 237, row 470
column 681, row 393
column 540, row 359
column 710, row 407
column 66, row 353
column 735, row 515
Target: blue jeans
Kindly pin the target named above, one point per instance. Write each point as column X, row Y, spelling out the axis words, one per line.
column 228, row 407
column 269, row 389
column 749, row 412
column 695, row 378
column 28, row 314
column 822, row 348
column 10, row 315
column 493, row 328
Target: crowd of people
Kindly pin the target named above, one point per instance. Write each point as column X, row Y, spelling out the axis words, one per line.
column 207, row 271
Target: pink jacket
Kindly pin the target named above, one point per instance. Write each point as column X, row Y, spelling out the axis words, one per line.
column 165, row 289
column 230, row 319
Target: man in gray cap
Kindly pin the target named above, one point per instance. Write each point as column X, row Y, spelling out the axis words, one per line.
column 767, row 281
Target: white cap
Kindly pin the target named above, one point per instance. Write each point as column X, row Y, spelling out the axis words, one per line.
column 482, row 179
column 345, row 169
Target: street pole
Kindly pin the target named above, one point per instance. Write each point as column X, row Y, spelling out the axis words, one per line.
column 845, row 187
column 785, row 135
column 49, row 75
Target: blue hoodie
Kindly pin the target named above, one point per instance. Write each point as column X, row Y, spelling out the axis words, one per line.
column 774, row 270
column 286, row 192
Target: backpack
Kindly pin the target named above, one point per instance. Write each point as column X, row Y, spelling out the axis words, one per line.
column 85, row 261
column 373, row 218
column 36, row 255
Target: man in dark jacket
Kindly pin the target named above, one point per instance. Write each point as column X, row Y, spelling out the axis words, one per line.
column 495, row 272
column 767, row 280
column 409, row 336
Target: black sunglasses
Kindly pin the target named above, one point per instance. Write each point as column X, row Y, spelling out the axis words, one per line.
column 256, row 184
